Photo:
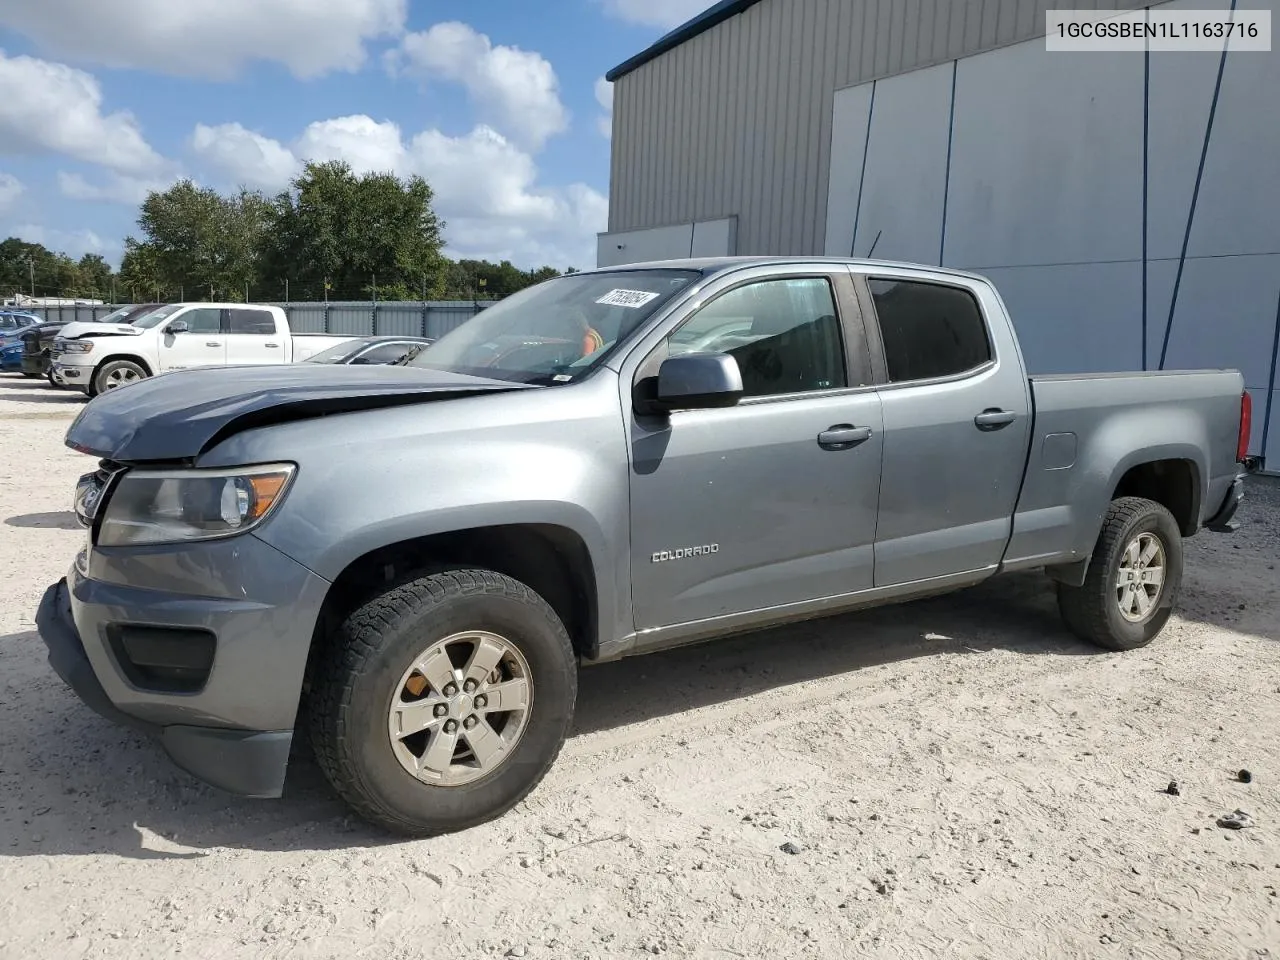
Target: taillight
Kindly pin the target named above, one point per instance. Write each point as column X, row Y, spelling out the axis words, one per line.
column 1246, row 426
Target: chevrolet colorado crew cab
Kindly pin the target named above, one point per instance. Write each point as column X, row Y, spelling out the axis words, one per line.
column 411, row 562
column 96, row 357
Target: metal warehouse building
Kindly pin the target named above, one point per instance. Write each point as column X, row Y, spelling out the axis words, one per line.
column 1126, row 204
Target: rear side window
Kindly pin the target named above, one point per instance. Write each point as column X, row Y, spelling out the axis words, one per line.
column 929, row 329
column 252, row 321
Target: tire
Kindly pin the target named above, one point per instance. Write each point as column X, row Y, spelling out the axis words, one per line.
column 115, row 374
column 1093, row 611
column 30, row 376
column 367, row 668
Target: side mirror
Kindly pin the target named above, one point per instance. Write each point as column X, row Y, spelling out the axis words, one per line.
column 178, row 326
column 698, row 381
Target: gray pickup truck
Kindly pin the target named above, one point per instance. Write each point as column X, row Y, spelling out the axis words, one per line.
column 412, row 562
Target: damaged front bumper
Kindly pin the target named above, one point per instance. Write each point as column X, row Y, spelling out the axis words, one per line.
column 248, row 763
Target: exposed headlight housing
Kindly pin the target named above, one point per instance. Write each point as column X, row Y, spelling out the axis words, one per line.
column 74, row 346
column 176, row 506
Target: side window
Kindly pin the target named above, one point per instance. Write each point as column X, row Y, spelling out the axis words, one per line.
column 384, row 353
column 202, row 320
column 929, row 329
column 784, row 333
column 260, row 322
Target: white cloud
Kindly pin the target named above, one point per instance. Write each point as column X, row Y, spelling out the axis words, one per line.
column 604, row 94
column 657, row 13
column 116, row 189
column 207, row 38
column 10, row 190
column 50, row 107
column 516, row 90
column 369, row 146
column 604, row 97
column 247, row 158
column 486, row 188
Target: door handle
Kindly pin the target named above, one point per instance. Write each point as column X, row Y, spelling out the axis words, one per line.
column 994, row 418
column 843, row 436
column 213, row 343
column 271, row 344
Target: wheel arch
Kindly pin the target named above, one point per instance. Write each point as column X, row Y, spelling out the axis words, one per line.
column 130, row 357
column 1172, row 482
column 551, row 559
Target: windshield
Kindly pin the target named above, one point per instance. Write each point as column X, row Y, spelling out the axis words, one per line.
column 555, row 331
column 338, row 352
column 116, row 316
column 157, row 317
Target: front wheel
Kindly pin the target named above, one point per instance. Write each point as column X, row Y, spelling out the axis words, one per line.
column 1134, row 577
column 117, row 373
column 443, row 702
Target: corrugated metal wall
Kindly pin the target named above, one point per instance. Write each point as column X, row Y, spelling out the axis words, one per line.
column 738, row 119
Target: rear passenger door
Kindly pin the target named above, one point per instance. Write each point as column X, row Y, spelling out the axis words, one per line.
column 956, row 419
column 252, row 337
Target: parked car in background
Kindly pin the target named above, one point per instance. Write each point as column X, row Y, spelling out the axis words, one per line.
column 12, row 324
column 36, row 358
column 96, row 357
column 37, row 345
column 14, row 350
column 414, row 561
column 372, row 350
column 11, row 357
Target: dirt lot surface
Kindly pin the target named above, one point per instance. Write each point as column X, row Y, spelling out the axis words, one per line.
column 959, row 778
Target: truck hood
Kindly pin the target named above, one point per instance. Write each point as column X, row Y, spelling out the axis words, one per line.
column 177, row 416
column 85, row 328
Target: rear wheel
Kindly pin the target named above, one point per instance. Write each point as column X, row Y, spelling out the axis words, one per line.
column 442, row 703
column 1134, row 577
column 117, row 373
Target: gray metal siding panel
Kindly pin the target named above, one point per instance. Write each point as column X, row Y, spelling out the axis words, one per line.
column 737, row 120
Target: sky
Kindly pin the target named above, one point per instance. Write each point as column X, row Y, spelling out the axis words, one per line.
column 500, row 104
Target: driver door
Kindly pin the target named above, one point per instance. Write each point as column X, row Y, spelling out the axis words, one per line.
column 202, row 344
column 759, row 505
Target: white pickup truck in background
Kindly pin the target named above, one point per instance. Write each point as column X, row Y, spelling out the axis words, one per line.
column 96, row 357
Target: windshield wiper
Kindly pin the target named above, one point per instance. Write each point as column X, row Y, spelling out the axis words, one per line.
column 413, row 352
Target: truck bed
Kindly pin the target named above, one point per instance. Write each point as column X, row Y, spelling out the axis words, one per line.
column 1088, row 428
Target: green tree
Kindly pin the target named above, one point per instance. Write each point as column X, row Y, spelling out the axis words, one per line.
column 484, row 280
column 23, row 264
column 139, row 277
column 367, row 235
column 95, row 277
column 199, row 243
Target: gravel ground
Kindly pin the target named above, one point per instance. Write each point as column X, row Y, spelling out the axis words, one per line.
column 958, row 777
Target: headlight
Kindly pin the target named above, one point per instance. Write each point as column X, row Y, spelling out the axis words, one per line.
column 172, row 506
column 75, row 346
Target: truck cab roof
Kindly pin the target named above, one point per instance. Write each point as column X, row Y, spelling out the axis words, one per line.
column 714, row 265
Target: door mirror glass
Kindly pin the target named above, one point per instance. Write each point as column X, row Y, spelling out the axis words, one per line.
column 178, row 326
column 698, row 381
